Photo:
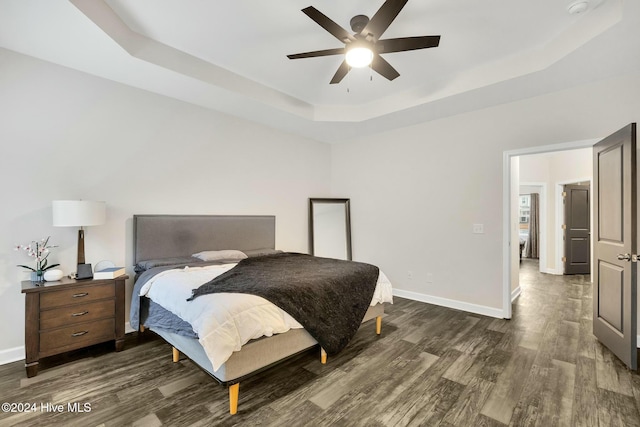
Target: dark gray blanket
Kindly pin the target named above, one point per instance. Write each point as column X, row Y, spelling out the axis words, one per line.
column 328, row 297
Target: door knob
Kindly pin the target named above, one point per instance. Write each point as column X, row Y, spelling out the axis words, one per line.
column 624, row 257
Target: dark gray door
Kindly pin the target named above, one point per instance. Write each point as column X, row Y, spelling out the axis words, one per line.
column 614, row 214
column 577, row 233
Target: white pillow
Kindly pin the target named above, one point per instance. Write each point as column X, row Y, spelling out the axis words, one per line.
column 228, row 255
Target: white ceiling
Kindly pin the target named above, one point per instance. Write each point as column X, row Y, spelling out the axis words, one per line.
column 231, row 56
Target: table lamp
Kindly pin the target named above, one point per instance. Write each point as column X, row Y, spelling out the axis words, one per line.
column 79, row 213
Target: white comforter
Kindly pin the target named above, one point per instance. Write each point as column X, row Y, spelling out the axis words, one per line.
column 226, row 321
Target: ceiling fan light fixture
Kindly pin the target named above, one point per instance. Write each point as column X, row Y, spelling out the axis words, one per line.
column 359, row 57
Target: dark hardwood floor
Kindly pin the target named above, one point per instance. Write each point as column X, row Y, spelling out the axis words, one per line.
column 431, row 366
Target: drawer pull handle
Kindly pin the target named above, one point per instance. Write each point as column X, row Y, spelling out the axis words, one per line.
column 79, row 334
column 80, row 314
column 83, row 294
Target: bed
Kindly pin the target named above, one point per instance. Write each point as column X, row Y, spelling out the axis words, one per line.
column 163, row 249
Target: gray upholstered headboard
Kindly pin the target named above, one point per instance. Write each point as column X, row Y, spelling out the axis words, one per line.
column 165, row 236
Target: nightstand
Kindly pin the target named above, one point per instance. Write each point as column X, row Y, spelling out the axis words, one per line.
column 71, row 314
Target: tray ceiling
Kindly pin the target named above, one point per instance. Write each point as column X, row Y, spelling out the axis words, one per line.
column 231, row 56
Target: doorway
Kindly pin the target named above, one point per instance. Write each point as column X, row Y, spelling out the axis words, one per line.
column 532, row 222
column 511, row 241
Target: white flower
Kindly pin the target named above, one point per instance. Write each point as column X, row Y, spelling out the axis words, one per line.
column 38, row 249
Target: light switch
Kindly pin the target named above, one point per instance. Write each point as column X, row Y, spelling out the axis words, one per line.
column 478, row 228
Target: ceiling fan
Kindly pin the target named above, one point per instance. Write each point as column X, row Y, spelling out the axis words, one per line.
column 364, row 47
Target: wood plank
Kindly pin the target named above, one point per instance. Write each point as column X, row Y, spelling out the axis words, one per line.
column 567, row 343
column 527, row 409
column 493, row 364
column 463, row 370
column 585, row 394
column 150, row 420
column 586, row 340
column 421, row 389
column 467, row 408
column 358, row 377
column 505, row 395
column 557, row 398
column 443, row 396
column 617, row 410
column 611, row 373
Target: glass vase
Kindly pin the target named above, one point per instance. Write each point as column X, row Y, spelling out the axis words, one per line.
column 37, row 276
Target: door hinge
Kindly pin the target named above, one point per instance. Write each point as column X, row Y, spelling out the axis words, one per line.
column 564, row 226
column 564, row 194
column 564, row 259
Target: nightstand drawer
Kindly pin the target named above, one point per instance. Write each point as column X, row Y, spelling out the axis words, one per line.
column 81, row 335
column 74, row 314
column 76, row 295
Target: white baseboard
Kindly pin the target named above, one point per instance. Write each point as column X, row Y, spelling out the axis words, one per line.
column 515, row 293
column 450, row 303
column 11, row 355
column 553, row 271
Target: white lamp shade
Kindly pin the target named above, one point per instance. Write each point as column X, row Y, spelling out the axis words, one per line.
column 359, row 56
column 78, row 213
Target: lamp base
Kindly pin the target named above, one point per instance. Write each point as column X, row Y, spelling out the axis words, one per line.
column 80, row 246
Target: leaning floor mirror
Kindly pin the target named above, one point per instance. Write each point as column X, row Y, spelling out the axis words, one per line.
column 330, row 228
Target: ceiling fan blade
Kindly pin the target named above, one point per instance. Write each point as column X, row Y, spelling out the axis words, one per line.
column 407, row 43
column 315, row 53
column 342, row 71
column 382, row 67
column 383, row 18
column 325, row 22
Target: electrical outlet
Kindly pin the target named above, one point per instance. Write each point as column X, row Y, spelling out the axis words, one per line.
column 429, row 277
column 478, row 228
column 410, row 275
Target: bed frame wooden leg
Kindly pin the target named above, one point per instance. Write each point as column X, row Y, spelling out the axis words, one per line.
column 234, row 391
column 176, row 354
column 323, row 356
column 379, row 325
column 141, row 328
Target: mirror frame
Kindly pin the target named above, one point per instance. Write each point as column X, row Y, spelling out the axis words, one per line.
column 347, row 214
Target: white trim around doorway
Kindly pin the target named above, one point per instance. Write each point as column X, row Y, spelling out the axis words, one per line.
column 506, row 208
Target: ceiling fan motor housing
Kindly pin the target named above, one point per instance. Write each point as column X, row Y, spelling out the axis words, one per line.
column 358, row 23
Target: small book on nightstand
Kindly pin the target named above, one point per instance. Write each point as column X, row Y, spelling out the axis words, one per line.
column 108, row 273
